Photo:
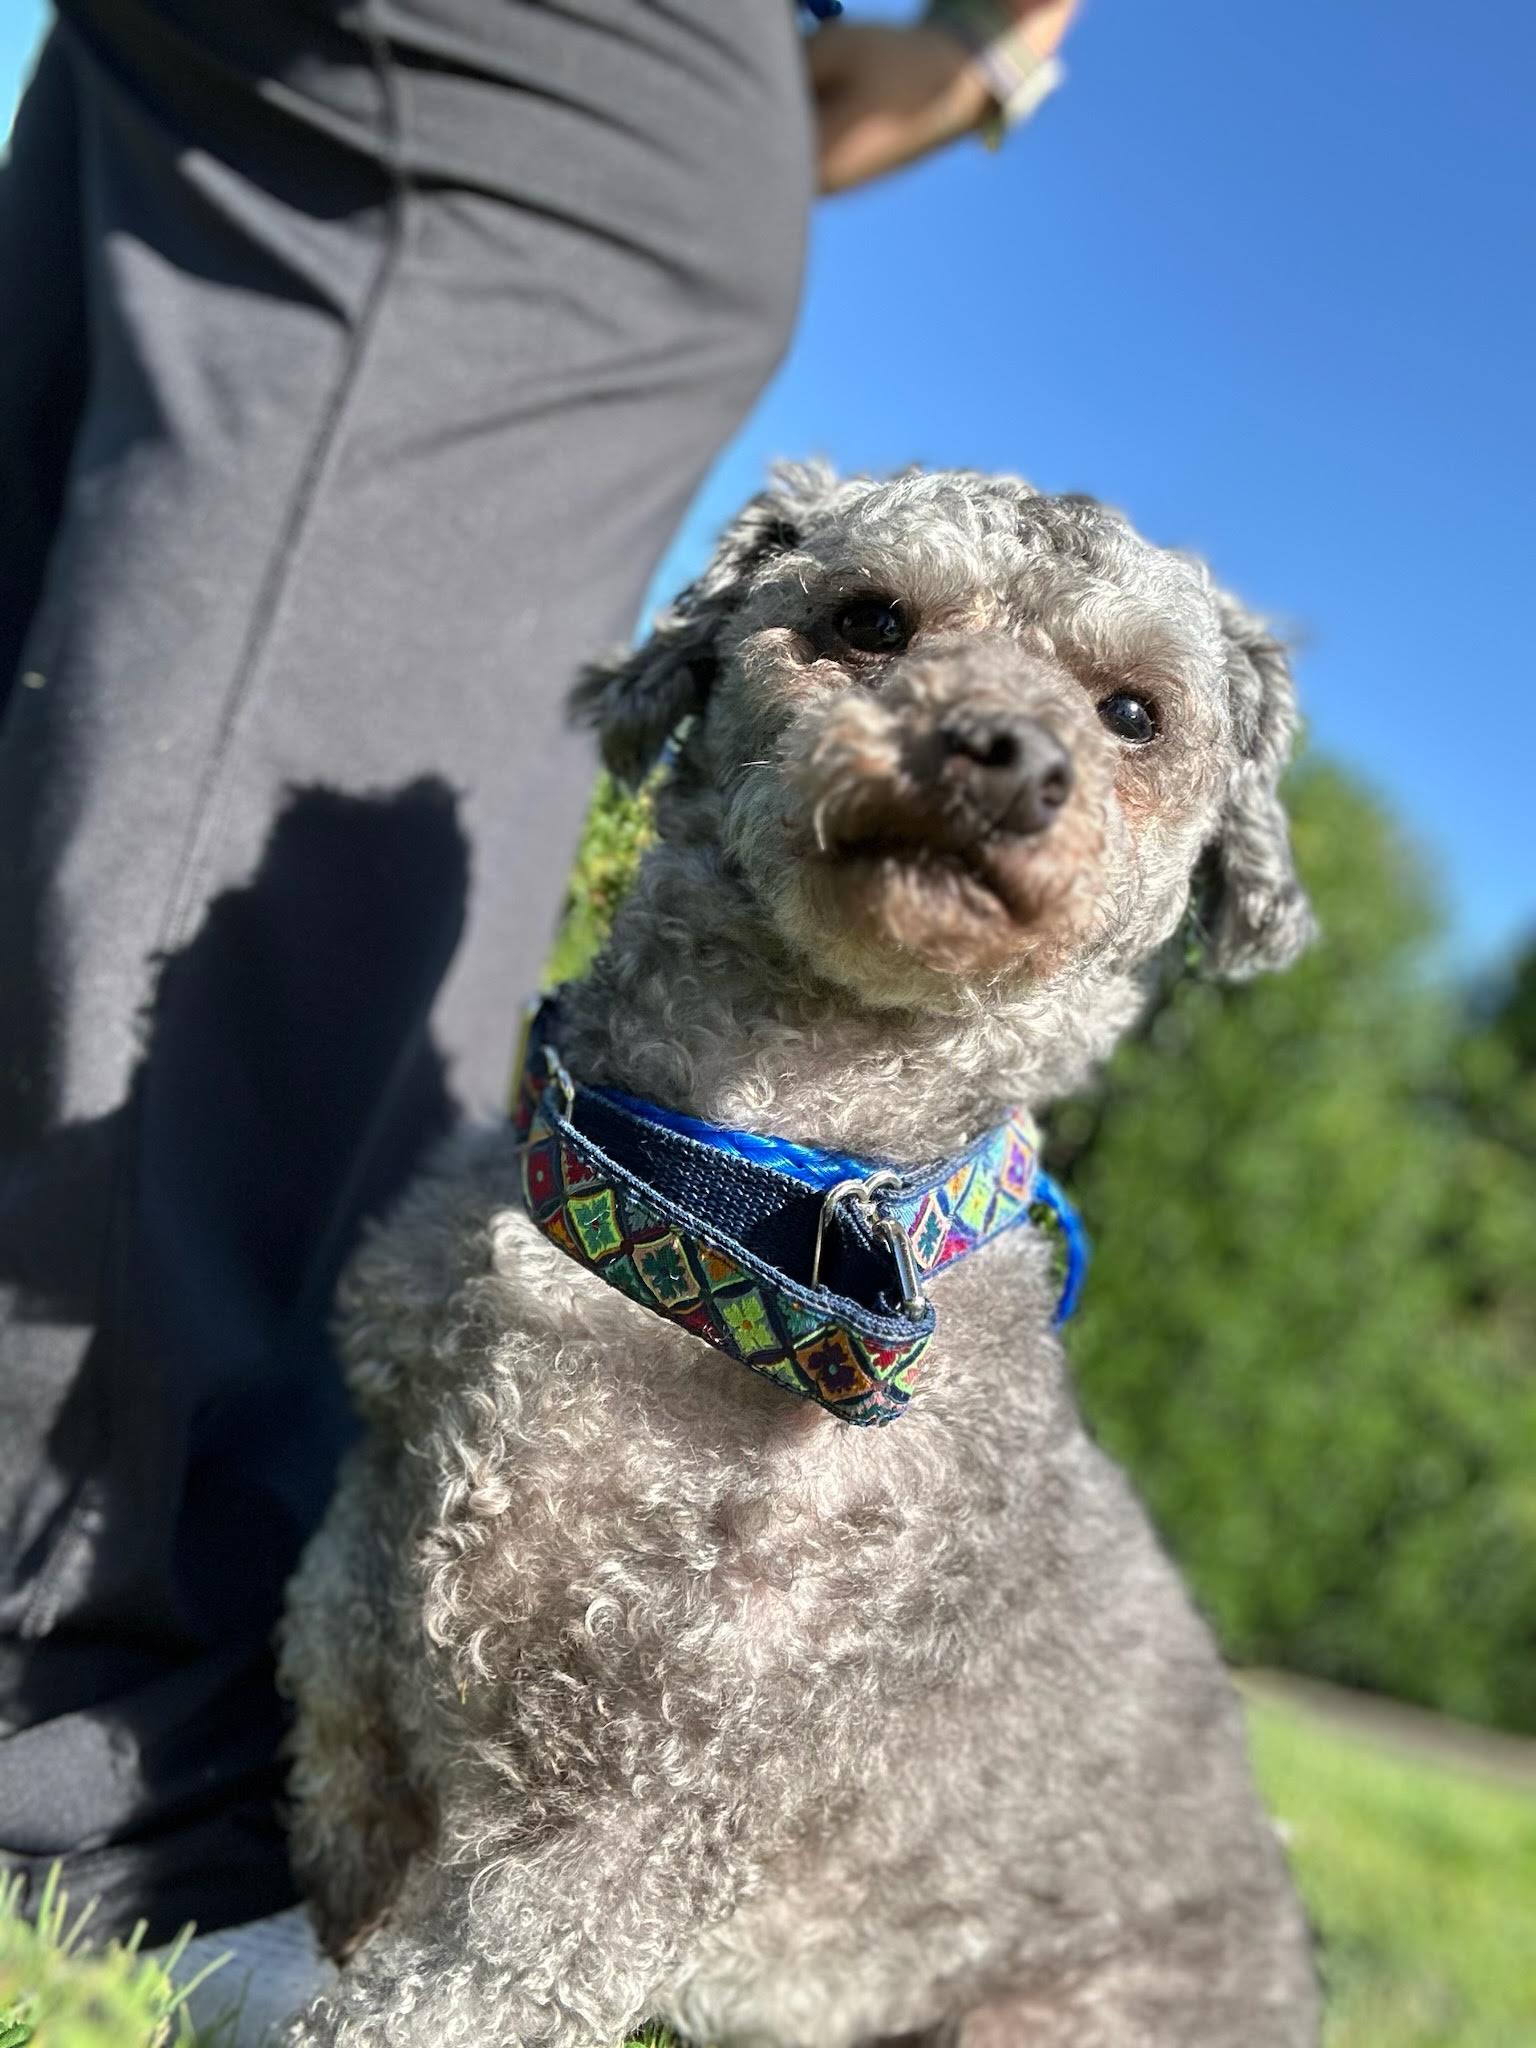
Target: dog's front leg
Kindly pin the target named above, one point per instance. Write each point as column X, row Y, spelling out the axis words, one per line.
column 561, row 1944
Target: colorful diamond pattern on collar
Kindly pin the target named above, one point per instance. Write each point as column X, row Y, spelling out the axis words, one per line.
column 989, row 1190
column 856, row 1361
column 789, row 1335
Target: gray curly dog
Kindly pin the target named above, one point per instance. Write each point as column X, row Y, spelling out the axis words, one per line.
column 629, row 1685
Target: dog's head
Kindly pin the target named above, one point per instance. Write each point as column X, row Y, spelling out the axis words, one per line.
column 951, row 730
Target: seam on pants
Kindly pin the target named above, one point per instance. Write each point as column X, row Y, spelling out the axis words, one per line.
column 83, row 1515
column 202, row 834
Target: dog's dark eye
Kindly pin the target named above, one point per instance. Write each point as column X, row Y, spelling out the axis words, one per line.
column 873, row 625
column 1129, row 718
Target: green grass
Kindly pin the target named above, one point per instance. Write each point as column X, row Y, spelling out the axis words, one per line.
column 1421, row 1879
column 57, row 1990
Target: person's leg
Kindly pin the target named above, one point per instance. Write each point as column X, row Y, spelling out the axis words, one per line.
column 43, row 364
column 412, row 329
column 241, row 1983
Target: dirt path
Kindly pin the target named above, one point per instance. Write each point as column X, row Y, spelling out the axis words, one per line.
column 1412, row 1731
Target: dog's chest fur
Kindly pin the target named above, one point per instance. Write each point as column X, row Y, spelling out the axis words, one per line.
column 947, row 1647
column 574, row 1456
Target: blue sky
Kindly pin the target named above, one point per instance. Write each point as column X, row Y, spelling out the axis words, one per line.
column 1265, row 276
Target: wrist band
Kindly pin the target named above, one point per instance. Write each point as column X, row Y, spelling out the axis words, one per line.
column 1015, row 73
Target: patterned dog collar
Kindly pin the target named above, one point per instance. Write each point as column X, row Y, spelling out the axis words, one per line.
column 808, row 1266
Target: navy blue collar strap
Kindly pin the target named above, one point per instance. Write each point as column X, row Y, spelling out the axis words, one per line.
column 809, row 1266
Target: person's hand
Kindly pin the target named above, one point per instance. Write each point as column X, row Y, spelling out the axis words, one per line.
column 886, row 95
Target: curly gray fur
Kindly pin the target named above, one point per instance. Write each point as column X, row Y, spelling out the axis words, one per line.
column 630, row 1686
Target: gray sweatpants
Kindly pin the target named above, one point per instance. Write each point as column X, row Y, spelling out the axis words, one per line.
column 358, row 357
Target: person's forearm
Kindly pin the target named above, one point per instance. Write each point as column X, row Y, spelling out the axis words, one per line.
column 888, row 94
column 1011, row 45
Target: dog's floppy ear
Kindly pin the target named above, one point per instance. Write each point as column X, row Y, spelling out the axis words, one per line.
column 1254, row 909
column 635, row 699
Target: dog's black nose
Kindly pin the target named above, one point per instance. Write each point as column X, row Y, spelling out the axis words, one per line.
column 1017, row 771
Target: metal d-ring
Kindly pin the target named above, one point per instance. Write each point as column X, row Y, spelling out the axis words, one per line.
column 914, row 1303
column 561, row 1078
column 861, row 1193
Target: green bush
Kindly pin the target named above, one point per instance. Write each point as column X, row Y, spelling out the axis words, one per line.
column 612, row 839
column 1308, row 1328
